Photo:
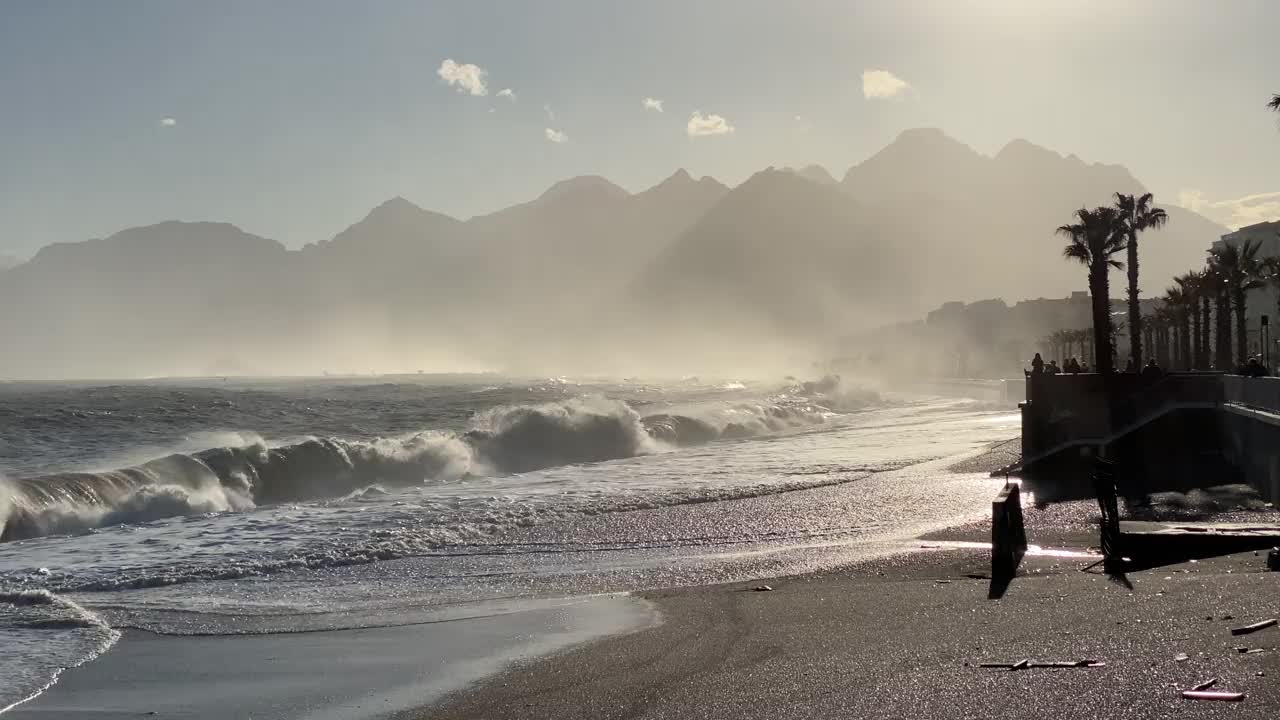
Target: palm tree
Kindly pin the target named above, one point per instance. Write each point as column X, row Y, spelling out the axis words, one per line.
column 1177, row 300
column 1194, row 286
column 1056, row 342
column 1162, row 319
column 1160, row 323
column 1274, row 104
column 1137, row 214
column 1095, row 237
column 1241, row 270
column 1149, row 334
column 1208, row 289
column 1222, row 315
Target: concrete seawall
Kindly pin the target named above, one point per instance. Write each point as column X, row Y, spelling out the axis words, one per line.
column 1179, row 431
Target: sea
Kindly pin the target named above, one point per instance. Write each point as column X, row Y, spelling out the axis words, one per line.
column 216, row 506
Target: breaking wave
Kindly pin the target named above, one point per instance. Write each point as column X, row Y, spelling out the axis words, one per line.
column 504, row 440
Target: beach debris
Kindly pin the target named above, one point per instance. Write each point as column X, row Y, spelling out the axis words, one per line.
column 1254, row 627
column 943, row 582
column 1212, row 695
column 1273, row 559
column 762, row 588
column 1181, row 657
column 1027, row 664
column 1206, row 684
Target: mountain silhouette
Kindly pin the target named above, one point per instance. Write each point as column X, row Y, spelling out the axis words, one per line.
column 585, row 273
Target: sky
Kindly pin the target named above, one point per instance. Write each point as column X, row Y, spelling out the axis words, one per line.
column 292, row 119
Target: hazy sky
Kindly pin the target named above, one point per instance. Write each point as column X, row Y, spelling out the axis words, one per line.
column 292, row 119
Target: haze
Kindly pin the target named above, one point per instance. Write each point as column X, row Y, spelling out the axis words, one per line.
column 297, row 188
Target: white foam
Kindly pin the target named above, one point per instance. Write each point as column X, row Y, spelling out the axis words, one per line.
column 43, row 634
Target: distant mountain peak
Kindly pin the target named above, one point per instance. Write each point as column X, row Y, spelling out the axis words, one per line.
column 1019, row 149
column 583, row 185
column 398, row 203
column 815, row 173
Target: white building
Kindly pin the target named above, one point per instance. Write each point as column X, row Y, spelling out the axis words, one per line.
column 1262, row 301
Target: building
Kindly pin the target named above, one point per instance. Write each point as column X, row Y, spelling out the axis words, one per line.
column 1263, row 301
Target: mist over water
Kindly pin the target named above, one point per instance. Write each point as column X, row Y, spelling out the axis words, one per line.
column 690, row 276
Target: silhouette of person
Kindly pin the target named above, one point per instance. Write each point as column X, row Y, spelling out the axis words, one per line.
column 1152, row 370
column 1053, row 368
column 1255, row 368
column 1037, row 365
column 1129, row 366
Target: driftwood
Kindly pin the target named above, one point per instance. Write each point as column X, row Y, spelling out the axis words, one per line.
column 1205, row 685
column 1254, row 627
column 1212, row 695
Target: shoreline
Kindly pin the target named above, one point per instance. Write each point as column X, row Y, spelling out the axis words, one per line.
column 324, row 674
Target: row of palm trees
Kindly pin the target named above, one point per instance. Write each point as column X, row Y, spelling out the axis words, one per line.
column 1097, row 236
column 1197, row 309
column 1200, row 306
column 1179, row 330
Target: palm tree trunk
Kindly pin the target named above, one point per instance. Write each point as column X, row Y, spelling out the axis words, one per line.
column 1135, row 308
column 1195, row 333
column 1205, row 318
column 1223, row 361
column 1184, row 330
column 1101, row 305
column 1242, row 328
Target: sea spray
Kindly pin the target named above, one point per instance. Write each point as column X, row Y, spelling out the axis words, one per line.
column 502, row 440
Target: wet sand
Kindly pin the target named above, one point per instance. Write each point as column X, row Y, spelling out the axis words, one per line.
column 903, row 637
column 329, row 675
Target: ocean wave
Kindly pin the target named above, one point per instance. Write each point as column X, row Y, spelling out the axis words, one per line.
column 502, row 440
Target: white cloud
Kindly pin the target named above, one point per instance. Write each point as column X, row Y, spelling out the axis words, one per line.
column 168, row 122
column 882, row 84
column 1248, row 210
column 652, row 104
column 551, row 114
column 556, row 136
column 701, row 125
column 466, row 78
column 507, row 93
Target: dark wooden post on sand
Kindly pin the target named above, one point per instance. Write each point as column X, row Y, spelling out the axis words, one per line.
column 1008, row 535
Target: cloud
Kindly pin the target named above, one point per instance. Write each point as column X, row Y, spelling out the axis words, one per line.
column 466, row 78
column 507, row 93
column 652, row 104
column 702, row 125
column 883, row 85
column 556, row 136
column 1248, row 210
column 168, row 122
column 551, row 114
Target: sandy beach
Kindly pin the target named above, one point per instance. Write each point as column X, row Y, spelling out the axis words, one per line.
column 903, row 638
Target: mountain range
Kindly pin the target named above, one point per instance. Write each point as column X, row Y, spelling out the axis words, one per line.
column 687, row 274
